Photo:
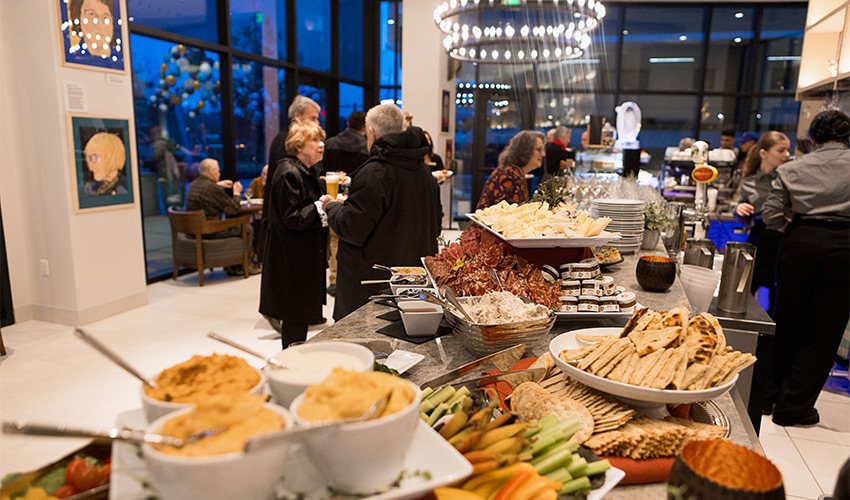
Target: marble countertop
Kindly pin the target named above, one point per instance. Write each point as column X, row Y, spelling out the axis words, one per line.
column 447, row 353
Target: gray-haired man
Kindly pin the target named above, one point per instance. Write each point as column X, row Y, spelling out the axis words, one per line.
column 392, row 214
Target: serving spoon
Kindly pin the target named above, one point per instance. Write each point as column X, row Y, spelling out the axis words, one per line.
column 495, row 277
column 114, row 434
column 450, row 295
column 114, row 357
column 269, row 360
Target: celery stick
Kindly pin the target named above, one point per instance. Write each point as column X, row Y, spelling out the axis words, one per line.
column 578, row 466
column 556, row 461
column 598, row 467
column 533, row 429
column 575, row 485
column 423, row 416
column 425, row 393
column 545, row 441
column 426, row 406
column 548, row 421
column 569, row 430
column 558, row 448
column 560, row 475
column 436, row 414
column 460, row 393
column 572, row 444
column 442, row 394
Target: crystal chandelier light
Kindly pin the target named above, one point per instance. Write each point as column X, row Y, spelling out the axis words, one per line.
column 517, row 31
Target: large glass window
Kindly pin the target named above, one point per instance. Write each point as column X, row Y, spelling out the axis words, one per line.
column 774, row 113
column 662, row 50
column 350, row 100
column 351, row 39
column 718, row 113
column 314, row 33
column 730, row 44
column 177, row 101
column 259, row 93
column 191, row 18
column 666, row 119
column 390, row 42
column 780, row 48
column 259, row 27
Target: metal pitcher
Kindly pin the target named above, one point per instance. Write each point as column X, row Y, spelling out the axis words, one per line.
column 699, row 252
column 737, row 276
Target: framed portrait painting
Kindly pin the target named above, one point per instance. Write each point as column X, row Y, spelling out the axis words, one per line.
column 91, row 34
column 102, row 172
column 445, row 111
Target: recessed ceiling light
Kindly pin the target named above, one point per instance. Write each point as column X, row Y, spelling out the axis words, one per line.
column 683, row 38
column 739, row 15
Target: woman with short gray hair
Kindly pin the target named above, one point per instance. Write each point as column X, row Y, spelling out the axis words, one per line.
column 523, row 154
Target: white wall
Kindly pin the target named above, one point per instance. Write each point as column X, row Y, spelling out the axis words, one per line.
column 96, row 259
column 424, row 67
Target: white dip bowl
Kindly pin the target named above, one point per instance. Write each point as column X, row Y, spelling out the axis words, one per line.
column 311, row 363
column 246, row 476
column 364, row 457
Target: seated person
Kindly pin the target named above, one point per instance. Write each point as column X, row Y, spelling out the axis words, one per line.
column 206, row 193
column 558, row 151
column 255, row 189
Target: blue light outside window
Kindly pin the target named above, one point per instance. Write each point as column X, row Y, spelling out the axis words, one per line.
column 197, row 19
column 350, row 100
column 259, row 27
column 351, row 39
column 313, row 29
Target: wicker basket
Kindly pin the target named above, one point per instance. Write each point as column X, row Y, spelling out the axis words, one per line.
column 481, row 340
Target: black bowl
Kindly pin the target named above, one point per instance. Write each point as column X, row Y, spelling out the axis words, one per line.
column 656, row 273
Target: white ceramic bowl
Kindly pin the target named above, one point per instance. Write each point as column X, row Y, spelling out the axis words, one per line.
column 399, row 281
column 155, row 408
column 420, row 318
column 246, row 476
column 632, row 394
column 363, row 457
column 285, row 385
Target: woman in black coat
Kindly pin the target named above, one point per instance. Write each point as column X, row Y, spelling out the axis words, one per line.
column 293, row 281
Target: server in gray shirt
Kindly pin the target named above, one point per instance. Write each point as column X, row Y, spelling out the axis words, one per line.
column 759, row 171
column 813, row 294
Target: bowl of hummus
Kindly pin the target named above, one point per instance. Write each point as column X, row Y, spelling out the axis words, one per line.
column 215, row 467
column 359, row 458
column 195, row 380
column 311, row 363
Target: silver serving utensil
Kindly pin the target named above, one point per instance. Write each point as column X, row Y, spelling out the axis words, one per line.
column 114, row 434
column 264, row 440
column 428, row 296
column 495, row 277
column 233, row 343
column 382, row 268
column 115, row 358
column 449, row 294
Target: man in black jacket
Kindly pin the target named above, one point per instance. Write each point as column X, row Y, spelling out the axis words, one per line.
column 344, row 152
column 392, row 214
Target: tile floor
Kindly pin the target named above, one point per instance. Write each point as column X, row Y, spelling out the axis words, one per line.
column 49, row 375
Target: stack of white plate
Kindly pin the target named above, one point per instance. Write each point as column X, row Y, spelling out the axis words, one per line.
column 626, row 219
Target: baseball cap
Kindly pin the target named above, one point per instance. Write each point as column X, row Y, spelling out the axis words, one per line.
column 749, row 136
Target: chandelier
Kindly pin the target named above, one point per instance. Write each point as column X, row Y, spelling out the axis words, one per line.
column 517, row 31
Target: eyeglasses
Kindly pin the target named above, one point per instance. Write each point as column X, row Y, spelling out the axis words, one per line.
column 541, row 149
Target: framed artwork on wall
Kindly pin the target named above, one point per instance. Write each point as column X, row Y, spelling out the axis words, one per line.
column 445, row 105
column 102, row 172
column 91, row 34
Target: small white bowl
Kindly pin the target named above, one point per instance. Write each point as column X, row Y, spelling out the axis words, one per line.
column 247, row 476
column 420, row 318
column 399, row 281
column 365, row 457
column 155, row 408
column 310, row 367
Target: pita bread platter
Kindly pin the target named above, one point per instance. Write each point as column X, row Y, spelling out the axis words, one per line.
column 659, row 357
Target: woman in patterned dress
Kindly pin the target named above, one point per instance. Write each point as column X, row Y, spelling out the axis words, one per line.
column 523, row 154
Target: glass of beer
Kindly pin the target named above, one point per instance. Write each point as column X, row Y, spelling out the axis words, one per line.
column 332, row 183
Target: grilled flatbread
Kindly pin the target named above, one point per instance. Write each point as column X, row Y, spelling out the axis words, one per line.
column 654, row 372
column 644, row 364
column 648, row 341
column 619, row 346
column 701, row 339
column 633, row 321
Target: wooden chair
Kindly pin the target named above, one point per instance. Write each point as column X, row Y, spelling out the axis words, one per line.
column 190, row 249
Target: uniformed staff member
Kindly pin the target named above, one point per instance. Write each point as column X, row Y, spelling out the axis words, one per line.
column 813, row 295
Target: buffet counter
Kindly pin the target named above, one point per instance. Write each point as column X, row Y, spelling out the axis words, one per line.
column 447, row 353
